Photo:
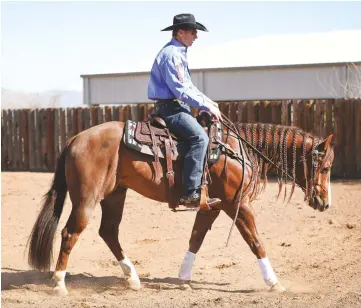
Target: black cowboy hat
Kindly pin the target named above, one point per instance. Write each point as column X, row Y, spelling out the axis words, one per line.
column 185, row 21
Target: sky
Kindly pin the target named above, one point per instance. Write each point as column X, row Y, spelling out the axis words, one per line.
column 48, row 45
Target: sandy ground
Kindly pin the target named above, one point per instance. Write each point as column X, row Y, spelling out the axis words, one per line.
column 315, row 255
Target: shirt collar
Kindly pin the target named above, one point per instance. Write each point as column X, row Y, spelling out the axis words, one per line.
column 178, row 44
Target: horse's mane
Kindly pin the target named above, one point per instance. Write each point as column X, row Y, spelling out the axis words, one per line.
column 256, row 134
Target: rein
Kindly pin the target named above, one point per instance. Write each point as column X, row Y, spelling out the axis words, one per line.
column 259, row 153
column 315, row 154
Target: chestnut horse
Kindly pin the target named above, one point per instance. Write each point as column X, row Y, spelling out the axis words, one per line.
column 96, row 166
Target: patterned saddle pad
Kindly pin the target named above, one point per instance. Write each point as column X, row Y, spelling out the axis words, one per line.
column 136, row 138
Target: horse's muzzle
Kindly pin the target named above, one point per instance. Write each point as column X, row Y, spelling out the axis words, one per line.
column 317, row 203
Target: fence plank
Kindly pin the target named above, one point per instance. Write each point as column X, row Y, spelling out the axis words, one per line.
column 86, row 118
column 4, row 140
column 43, row 139
column 233, row 109
column 37, row 145
column 276, row 112
column 17, row 141
column 140, row 112
column 37, row 132
column 50, row 139
column 74, row 119
column 80, row 120
column 94, row 116
column 149, row 109
column 241, row 112
column 100, row 111
column 224, row 108
column 284, row 113
column 11, row 153
column 57, row 141
column 252, row 111
column 339, row 167
column 25, row 134
column 320, row 118
column 121, row 113
column 108, row 114
column 357, row 137
column 265, row 112
column 301, row 106
column 295, row 112
column 31, row 138
column 69, row 118
column 329, row 116
column 126, row 113
column 349, row 126
column 115, row 113
column 310, row 112
column 62, row 128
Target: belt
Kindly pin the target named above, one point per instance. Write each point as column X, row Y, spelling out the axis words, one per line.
column 164, row 102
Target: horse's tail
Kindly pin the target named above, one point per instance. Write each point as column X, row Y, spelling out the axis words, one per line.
column 42, row 236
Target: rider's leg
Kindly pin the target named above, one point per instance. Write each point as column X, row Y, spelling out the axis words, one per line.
column 181, row 122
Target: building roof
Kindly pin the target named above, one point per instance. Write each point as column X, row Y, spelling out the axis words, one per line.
column 291, row 49
column 273, row 51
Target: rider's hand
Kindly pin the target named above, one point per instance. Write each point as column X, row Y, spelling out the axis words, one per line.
column 213, row 103
column 214, row 110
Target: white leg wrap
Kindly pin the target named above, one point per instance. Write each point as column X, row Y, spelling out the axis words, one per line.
column 185, row 271
column 130, row 273
column 268, row 274
column 59, row 278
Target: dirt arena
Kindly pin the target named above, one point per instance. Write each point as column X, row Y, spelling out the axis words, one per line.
column 315, row 255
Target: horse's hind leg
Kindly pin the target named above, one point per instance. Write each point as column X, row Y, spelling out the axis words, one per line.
column 112, row 211
column 245, row 223
column 78, row 220
column 202, row 225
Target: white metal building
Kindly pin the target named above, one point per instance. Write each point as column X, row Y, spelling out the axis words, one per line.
column 318, row 65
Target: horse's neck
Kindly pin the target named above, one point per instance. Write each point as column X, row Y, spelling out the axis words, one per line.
column 276, row 142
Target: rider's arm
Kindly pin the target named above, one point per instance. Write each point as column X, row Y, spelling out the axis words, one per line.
column 181, row 86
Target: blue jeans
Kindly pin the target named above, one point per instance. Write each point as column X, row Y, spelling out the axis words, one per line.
column 181, row 123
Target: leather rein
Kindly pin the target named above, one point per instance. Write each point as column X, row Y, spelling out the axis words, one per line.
column 315, row 156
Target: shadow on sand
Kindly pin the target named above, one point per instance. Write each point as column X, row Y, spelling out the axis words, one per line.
column 37, row 281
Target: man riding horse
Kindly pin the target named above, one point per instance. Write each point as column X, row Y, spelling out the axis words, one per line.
column 171, row 87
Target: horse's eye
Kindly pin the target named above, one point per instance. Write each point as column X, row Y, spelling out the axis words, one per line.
column 325, row 170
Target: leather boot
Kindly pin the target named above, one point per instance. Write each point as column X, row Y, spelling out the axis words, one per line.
column 194, row 200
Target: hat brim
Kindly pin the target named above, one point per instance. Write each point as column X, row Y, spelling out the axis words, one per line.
column 187, row 25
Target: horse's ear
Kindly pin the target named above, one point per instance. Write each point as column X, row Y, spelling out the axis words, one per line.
column 325, row 144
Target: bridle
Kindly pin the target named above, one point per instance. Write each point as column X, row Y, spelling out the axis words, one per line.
column 315, row 169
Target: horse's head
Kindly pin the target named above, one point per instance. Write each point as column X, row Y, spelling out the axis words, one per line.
column 314, row 175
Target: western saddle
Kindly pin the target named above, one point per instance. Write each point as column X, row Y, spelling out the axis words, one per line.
column 154, row 138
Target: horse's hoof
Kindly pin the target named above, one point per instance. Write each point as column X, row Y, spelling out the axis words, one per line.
column 60, row 291
column 278, row 287
column 134, row 284
column 185, row 285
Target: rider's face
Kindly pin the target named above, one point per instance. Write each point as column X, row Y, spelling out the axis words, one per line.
column 187, row 37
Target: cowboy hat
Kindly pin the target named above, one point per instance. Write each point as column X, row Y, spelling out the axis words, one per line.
column 185, row 21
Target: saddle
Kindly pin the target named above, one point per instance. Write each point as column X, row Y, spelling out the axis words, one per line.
column 153, row 137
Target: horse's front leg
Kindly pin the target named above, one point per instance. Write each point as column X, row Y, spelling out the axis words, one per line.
column 245, row 223
column 202, row 224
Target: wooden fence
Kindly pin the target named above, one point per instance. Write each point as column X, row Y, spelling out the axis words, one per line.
column 32, row 139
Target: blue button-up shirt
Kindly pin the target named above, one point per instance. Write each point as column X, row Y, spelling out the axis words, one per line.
column 170, row 77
